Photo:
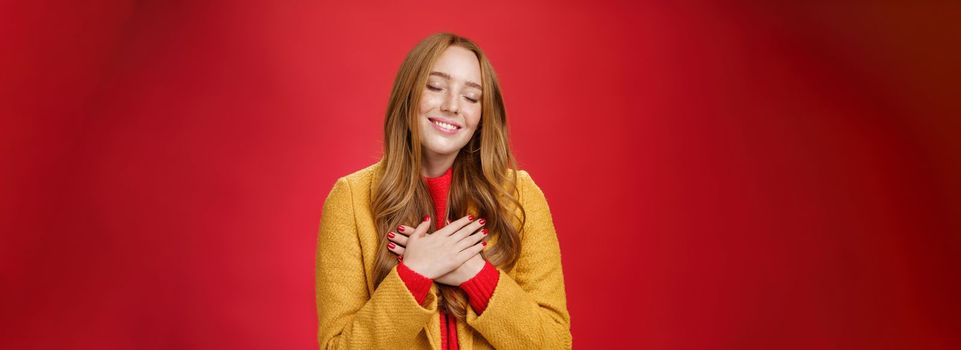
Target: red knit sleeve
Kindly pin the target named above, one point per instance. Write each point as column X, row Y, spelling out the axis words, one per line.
column 480, row 288
column 417, row 284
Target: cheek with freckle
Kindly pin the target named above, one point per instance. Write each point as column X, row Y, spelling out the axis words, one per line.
column 473, row 122
column 425, row 104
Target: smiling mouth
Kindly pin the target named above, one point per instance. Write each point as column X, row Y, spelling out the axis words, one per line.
column 444, row 125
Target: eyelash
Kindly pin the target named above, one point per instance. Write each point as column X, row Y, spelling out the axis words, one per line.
column 433, row 88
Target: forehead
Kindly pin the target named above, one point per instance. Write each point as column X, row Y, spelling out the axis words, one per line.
column 459, row 63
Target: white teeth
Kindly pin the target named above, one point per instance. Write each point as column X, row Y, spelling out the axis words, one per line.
column 445, row 125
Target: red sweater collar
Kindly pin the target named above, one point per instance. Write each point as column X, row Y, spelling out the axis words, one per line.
column 439, row 187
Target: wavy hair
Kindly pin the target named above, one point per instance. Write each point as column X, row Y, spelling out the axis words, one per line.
column 484, row 174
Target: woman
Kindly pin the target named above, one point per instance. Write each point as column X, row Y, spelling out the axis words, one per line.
column 442, row 243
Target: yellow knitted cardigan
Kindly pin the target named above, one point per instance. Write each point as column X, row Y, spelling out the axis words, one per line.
column 528, row 309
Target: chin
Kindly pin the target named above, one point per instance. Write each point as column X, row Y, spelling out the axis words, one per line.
column 443, row 150
column 440, row 145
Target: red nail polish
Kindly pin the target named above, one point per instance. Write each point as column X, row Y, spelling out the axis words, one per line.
column 391, row 245
column 470, row 218
column 426, row 217
column 390, row 234
column 484, row 243
column 484, row 231
column 400, row 228
column 482, row 221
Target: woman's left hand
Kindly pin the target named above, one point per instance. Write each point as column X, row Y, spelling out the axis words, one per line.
column 455, row 278
column 464, row 273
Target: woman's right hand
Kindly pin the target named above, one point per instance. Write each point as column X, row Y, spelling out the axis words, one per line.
column 434, row 255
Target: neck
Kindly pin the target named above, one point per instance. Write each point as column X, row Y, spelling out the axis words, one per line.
column 435, row 165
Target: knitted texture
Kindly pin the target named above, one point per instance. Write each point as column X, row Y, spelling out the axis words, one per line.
column 528, row 309
column 418, row 284
column 481, row 287
column 438, row 188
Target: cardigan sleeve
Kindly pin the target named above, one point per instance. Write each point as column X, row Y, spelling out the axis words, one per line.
column 529, row 310
column 348, row 315
column 417, row 284
column 480, row 288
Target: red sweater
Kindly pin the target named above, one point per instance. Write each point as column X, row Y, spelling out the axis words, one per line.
column 479, row 288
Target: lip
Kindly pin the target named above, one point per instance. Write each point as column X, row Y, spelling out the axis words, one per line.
column 442, row 130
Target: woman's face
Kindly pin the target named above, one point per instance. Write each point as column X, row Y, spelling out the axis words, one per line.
column 450, row 107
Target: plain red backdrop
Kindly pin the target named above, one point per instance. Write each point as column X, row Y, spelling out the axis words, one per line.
column 721, row 175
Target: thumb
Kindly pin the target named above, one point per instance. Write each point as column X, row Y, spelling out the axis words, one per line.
column 421, row 230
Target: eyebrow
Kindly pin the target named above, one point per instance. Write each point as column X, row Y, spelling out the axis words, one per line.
column 447, row 76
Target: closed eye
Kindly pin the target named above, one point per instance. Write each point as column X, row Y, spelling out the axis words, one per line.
column 434, row 88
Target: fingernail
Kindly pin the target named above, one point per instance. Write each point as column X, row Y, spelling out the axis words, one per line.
column 426, row 217
column 400, row 228
column 400, row 258
column 470, row 218
column 391, row 245
column 484, row 231
column 390, row 234
column 482, row 221
column 484, row 243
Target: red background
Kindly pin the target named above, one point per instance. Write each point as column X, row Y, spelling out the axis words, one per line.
column 721, row 175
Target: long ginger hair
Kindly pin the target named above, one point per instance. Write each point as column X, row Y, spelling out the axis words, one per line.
column 484, row 174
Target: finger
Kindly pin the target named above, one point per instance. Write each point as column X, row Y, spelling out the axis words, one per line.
column 472, row 240
column 468, row 229
column 405, row 230
column 456, row 225
column 468, row 253
column 398, row 238
column 395, row 248
column 421, row 230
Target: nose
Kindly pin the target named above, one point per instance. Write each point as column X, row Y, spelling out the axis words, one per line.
column 450, row 103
